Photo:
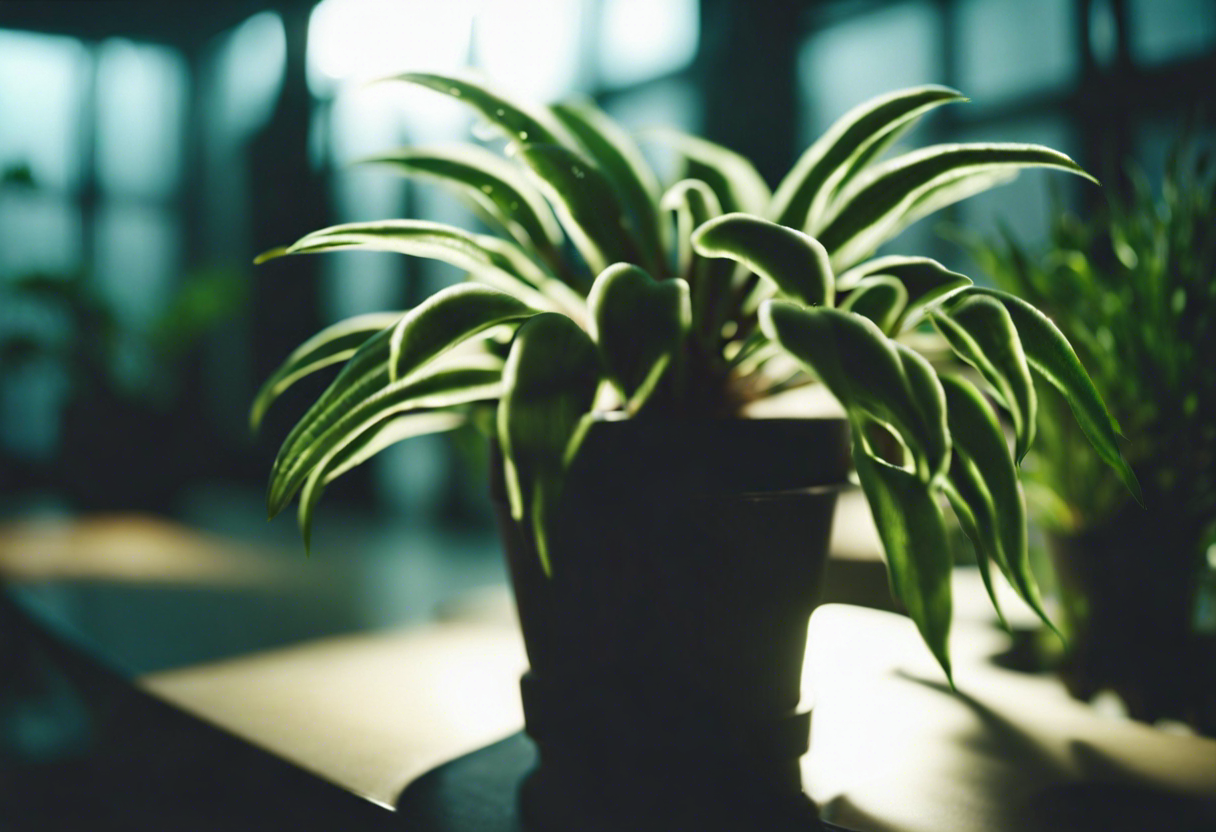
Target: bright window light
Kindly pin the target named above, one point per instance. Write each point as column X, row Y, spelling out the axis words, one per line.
column 359, row 40
column 643, row 39
column 531, row 47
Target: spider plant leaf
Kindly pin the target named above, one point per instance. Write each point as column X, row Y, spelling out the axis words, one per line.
column 988, row 482
column 735, row 180
column 432, row 240
column 872, row 204
column 488, row 181
column 937, row 198
column 332, row 345
column 443, row 386
column 913, row 534
column 1051, row 356
column 972, row 507
column 930, row 401
column 519, row 122
column 867, row 373
column 980, row 331
column 694, row 204
column 639, row 326
column 585, row 200
column 618, row 156
column 795, row 262
column 853, row 138
column 927, row 282
column 880, row 298
column 449, row 317
column 386, row 432
column 550, row 382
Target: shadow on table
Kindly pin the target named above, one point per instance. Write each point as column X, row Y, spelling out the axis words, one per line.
column 1103, row 797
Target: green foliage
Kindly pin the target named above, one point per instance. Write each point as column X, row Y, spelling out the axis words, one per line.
column 695, row 294
column 1133, row 292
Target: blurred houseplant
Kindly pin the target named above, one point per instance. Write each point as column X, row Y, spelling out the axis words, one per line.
column 664, row 551
column 1134, row 289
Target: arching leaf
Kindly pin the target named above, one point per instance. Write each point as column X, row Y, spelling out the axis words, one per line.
column 550, row 381
column 796, row 263
column 388, row 431
column 489, row 181
column 421, row 238
column 622, row 162
column 981, row 332
column 639, row 326
column 927, row 281
column 519, row 122
column 876, row 200
column 735, row 180
column 444, row 320
column 1051, row 356
column 880, row 298
column 332, row 345
column 586, row 202
column 805, row 191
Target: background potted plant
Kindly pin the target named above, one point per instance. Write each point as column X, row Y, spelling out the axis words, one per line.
column 665, row 552
column 1133, row 290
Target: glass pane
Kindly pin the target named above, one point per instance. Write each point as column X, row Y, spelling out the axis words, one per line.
column 1009, row 47
column 642, row 39
column 42, row 86
column 141, row 100
column 39, row 233
column 359, row 40
column 137, row 260
column 844, row 64
column 1165, row 30
column 533, row 48
column 249, row 74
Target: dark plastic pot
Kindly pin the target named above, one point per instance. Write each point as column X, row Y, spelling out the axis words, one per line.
column 1129, row 590
column 666, row 649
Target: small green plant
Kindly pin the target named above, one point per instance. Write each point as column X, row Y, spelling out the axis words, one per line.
column 681, row 302
column 1133, row 290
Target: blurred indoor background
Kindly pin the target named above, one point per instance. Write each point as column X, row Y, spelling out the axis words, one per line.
column 149, row 150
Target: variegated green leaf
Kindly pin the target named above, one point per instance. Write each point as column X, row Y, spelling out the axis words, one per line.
column 913, row 535
column 695, row 203
column 445, row 386
column 519, row 122
column 940, row 196
column 332, row 345
column 796, row 263
column 854, row 137
column 447, row 318
column 421, row 238
column 1051, row 356
column 880, row 298
column 866, row 211
column 550, row 381
column 735, row 180
column 622, row 162
column 490, row 182
column 867, row 373
column 586, row 202
column 927, row 282
column 991, row 489
column 972, row 505
column 980, row 332
column 380, row 435
column 639, row 326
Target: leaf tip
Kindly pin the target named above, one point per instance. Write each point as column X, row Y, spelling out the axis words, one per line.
column 271, row 254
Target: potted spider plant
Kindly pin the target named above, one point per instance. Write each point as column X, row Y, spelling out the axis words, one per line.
column 664, row 551
column 1133, row 289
